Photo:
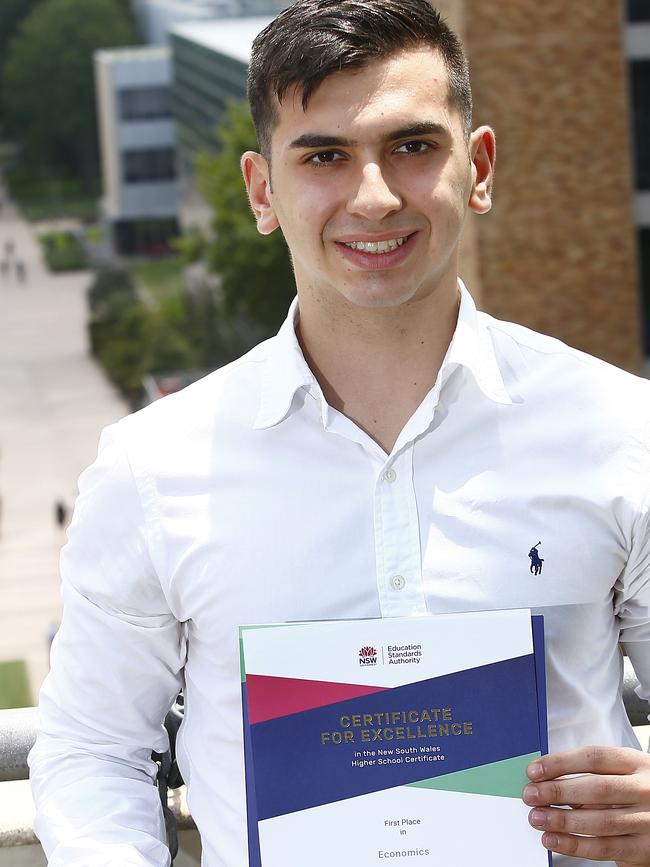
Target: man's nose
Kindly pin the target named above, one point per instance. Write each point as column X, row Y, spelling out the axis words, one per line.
column 374, row 198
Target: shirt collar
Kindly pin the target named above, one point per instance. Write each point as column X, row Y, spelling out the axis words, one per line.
column 286, row 371
column 472, row 347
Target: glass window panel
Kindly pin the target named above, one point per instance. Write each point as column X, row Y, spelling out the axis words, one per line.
column 144, row 166
column 644, row 269
column 638, row 10
column 640, row 77
column 144, row 103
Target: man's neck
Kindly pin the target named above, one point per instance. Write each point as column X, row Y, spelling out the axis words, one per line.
column 376, row 366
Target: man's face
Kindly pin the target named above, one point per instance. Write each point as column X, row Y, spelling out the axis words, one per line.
column 370, row 184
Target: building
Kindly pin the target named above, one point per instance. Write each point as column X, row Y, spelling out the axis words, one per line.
column 210, row 66
column 138, row 148
column 156, row 17
column 142, row 192
column 559, row 250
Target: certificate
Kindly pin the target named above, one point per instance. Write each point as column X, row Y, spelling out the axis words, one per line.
column 399, row 741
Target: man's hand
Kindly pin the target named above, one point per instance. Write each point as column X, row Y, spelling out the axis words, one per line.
column 610, row 815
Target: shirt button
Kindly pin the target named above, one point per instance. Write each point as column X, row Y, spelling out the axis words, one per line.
column 390, row 476
column 398, row 582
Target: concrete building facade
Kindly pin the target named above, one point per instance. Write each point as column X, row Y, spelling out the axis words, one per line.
column 138, row 148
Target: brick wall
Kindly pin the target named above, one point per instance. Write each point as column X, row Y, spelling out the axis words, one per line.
column 557, row 251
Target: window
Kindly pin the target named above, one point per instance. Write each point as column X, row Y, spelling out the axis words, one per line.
column 640, row 75
column 638, row 10
column 149, row 165
column 644, row 263
column 145, row 237
column 144, row 103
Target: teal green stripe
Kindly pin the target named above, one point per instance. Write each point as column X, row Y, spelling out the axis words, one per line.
column 504, row 779
column 242, row 629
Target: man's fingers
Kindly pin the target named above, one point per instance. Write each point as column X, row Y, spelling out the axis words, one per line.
column 596, row 823
column 585, row 760
column 610, row 790
column 633, row 850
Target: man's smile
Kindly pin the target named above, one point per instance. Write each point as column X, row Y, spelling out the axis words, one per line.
column 378, row 253
column 376, row 246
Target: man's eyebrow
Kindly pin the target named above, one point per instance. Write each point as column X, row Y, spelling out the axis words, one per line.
column 425, row 127
column 318, row 140
column 321, row 140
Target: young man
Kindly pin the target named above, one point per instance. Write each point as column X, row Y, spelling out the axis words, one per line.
column 388, row 453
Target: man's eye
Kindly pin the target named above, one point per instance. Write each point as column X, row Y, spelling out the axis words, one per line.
column 414, row 147
column 324, row 157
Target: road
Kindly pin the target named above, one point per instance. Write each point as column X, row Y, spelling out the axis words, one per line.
column 54, row 401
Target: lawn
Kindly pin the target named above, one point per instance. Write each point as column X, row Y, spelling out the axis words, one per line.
column 14, row 685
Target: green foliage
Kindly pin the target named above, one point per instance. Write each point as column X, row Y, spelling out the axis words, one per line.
column 14, row 685
column 118, row 338
column 12, row 13
column 132, row 339
column 48, row 80
column 111, row 286
column 192, row 246
column 43, row 195
column 256, row 276
column 63, row 251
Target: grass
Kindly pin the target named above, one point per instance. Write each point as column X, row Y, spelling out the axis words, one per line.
column 14, row 685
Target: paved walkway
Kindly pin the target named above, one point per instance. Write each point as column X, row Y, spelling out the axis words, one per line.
column 54, row 401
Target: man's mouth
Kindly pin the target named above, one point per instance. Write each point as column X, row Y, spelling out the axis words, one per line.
column 376, row 247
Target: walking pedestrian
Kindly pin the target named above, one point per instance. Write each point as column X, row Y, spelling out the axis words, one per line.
column 60, row 513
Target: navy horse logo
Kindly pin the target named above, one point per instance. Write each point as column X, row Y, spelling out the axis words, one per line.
column 536, row 561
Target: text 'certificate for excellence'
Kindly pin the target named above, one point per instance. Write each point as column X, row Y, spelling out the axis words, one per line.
column 400, row 741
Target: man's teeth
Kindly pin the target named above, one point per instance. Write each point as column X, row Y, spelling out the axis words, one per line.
column 376, row 246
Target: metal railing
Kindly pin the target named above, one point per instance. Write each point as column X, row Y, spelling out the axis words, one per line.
column 18, row 733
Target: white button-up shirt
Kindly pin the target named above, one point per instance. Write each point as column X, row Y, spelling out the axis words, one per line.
column 247, row 499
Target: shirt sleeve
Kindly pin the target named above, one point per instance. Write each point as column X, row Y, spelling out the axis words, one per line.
column 116, row 667
column 632, row 595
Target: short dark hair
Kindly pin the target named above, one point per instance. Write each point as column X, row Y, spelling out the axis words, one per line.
column 312, row 39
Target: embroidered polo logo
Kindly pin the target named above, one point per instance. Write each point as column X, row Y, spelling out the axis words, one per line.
column 536, row 562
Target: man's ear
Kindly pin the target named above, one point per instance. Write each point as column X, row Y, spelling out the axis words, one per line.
column 482, row 151
column 258, row 186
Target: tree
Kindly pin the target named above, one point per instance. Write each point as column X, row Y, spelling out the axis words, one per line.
column 110, row 286
column 256, row 276
column 12, row 13
column 48, row 80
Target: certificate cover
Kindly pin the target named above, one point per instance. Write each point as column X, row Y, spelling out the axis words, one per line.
column 393, row 741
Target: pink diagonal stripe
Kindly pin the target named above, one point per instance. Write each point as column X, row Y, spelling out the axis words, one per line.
column 272, row 697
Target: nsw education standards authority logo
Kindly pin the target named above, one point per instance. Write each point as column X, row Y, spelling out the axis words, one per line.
column 391, row 654
column 368, row 655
